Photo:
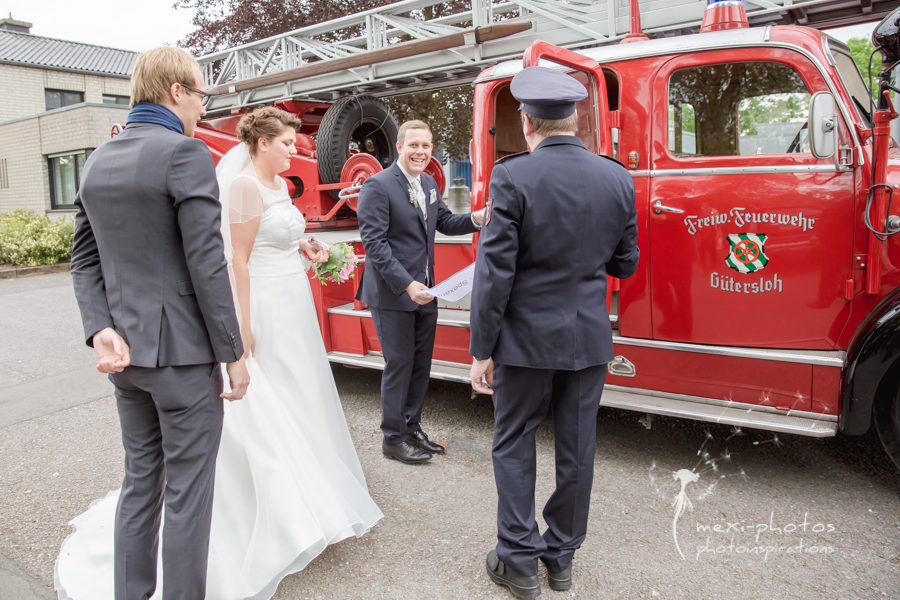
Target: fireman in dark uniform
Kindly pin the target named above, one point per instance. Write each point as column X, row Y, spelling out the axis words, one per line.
column 559, row 220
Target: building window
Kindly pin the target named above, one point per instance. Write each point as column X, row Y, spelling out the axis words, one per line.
column 65, row 177
column 4, row 174
column 59, row 98
column 113, row 99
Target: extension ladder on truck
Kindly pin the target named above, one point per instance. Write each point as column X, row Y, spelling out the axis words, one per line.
column 447, row 51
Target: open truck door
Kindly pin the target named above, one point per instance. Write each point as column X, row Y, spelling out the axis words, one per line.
column 593, row 112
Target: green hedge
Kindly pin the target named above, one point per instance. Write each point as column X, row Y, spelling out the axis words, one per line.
column 28, row 239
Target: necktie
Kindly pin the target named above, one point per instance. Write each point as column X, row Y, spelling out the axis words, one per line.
column 420, row 197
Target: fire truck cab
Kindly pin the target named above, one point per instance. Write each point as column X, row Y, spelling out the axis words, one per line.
column 750, row 304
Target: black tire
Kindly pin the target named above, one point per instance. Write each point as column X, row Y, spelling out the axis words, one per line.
column 363, row 120
column 887, row 423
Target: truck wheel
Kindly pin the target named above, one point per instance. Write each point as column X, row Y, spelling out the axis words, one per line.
column 887, row 423
column 363, row 122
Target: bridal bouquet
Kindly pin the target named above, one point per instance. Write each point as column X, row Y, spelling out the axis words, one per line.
column 339, row 266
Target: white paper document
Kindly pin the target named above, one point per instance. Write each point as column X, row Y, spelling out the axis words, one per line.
column 456, row 287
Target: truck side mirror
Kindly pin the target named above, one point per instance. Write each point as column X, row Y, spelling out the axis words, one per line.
column 822, row 123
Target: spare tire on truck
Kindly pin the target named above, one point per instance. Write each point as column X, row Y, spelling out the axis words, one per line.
column 366, row 123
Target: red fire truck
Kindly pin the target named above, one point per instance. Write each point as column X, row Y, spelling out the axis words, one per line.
column 767, row 291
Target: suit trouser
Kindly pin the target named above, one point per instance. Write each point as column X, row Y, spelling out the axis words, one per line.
column 522, row 396
column 407, row 342
column 171, row 420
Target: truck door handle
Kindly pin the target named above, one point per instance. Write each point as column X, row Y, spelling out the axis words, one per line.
column 658, row 208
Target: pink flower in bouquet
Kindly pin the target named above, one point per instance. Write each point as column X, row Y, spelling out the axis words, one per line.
column 344, row 275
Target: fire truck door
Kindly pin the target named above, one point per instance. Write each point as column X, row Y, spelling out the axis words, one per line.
column 750, row 234
column 593, row 112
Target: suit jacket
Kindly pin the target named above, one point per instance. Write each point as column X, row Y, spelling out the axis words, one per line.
column 148, row 258
column 398, row 246
column 560, row 219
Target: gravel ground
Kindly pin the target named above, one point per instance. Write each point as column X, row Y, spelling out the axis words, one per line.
column 439, row 517
column 749, row 513
column 42, row 334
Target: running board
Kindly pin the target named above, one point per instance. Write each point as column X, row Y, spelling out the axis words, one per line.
column 439, row 369
column 737, row 414
column 722, row 412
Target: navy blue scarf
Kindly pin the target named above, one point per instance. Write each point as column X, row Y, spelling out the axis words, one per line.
column 148, row 112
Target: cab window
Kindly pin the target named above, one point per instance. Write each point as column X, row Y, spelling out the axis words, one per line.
column 737, row 109
column 508, row 135
column 854, row 83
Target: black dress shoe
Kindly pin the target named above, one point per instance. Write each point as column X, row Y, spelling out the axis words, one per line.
column 405, row 453
column 421, row 441
column 561, row 581
column 520, row 585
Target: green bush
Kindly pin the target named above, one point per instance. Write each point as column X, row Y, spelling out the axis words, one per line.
column 28, row 239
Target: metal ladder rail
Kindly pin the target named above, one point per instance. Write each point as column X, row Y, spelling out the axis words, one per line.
column 572, row 24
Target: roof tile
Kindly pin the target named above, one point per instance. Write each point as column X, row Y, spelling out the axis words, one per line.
column 51, row 53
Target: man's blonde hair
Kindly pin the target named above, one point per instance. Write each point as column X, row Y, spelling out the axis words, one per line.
column 401, row 135
column 548, row 127
column 156, row 70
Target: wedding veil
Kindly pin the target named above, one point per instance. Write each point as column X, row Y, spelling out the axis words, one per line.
column 240, row 201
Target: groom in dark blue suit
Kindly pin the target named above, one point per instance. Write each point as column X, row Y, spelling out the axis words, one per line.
column 399, row 211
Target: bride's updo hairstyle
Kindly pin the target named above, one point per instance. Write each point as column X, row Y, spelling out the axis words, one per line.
column 265, row 122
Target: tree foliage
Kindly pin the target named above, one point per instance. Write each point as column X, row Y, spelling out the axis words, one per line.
column 861, row 49
column 448, row 112
column 222, row 24
column 774, row 108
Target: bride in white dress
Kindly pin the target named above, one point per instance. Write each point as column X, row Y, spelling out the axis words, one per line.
column 288, row 480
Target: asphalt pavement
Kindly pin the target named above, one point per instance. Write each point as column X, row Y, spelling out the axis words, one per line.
column 683, row 510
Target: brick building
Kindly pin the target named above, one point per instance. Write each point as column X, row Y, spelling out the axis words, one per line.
column 58, row 101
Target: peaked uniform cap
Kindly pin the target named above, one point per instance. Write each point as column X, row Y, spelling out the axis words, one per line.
column 547, row 93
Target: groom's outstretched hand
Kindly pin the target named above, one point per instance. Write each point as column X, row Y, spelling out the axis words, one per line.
column 238, row 378
column 112, row 350
column 482, row 368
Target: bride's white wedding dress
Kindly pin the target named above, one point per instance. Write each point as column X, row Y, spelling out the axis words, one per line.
column 288, row 480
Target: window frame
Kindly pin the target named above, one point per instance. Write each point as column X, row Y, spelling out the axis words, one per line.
column 55, row 193
column 675, row 72
column 662, row 158
column 116, row 97
column 46, row 90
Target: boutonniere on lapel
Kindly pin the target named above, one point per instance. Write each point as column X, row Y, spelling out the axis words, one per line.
column 412, row 196
column 433, row 198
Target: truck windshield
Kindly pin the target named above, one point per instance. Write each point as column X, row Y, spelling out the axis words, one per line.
column 854, row 84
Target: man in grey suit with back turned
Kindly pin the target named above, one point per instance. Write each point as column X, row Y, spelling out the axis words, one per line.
column 150, row 276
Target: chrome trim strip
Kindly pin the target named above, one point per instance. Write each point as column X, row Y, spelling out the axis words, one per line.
column 644, row 173
column 823, row 359
column 827, row 50
column 366, row 314
column 829, row 168
column 452, row 240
